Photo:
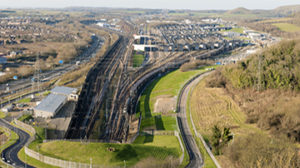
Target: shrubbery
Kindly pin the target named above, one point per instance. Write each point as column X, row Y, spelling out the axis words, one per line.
column 216, row 80
column 259, row 151
column 273, row 104
column 279, row 67
column 194, row 64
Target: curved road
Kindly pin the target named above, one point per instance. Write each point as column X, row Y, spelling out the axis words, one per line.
column 10, row 154
column 190, row 143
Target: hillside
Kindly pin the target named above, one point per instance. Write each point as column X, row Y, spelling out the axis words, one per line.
column 287, row 10
column 239, row 10
column 276, row 67
column 281, row 22
column 267, row 86
column 259, row 100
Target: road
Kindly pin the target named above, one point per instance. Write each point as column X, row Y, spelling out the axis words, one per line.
column 18, row 85
column 10, row 154
column 190, row 143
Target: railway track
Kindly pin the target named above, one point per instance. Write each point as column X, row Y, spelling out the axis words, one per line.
column 129, row 93
column 94, row 90
column 124, row 95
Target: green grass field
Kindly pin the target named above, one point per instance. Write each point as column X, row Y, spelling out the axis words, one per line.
column 287, row 27
column 25, row 100
column 167, row 141
column 82, row 152
column 138, row 60
column 159, row 122
column 168, row 85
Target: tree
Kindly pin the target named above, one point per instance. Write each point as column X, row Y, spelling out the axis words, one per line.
column 50, row 62
column 220, row 139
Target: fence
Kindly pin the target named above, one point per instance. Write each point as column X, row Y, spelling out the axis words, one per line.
column 155, row 132
column 181, row 146
column 59, row 162
column 199, row 135
column 51, row 160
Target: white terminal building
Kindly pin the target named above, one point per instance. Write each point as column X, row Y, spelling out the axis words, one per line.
column 58, row 97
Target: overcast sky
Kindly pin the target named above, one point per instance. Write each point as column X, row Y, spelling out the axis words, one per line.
column 160, row 4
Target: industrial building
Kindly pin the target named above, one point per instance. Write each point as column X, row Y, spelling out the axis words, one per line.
column 66, row 91
column 59, row 96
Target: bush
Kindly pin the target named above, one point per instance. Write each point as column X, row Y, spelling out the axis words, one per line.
column 194, row 65
column 279, row 68
column 259, row 151
column 216, row 80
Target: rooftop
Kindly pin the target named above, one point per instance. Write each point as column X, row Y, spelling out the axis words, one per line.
column 51, row 103
column 63, row 90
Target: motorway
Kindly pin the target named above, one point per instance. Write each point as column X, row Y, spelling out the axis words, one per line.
column 10, row 154
column 190, row 143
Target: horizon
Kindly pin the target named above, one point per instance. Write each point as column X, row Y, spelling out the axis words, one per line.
column 143, row 4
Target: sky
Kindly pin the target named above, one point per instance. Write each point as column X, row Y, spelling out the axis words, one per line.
column 157, row 4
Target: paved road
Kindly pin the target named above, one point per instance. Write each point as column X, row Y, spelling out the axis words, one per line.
column 190, row 143
column 18, row 85
column 10, row 154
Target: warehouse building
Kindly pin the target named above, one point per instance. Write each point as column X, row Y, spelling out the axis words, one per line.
column 50, row 106
column 59, row 96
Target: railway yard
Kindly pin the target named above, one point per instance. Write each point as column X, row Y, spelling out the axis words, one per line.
column 105, row 107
